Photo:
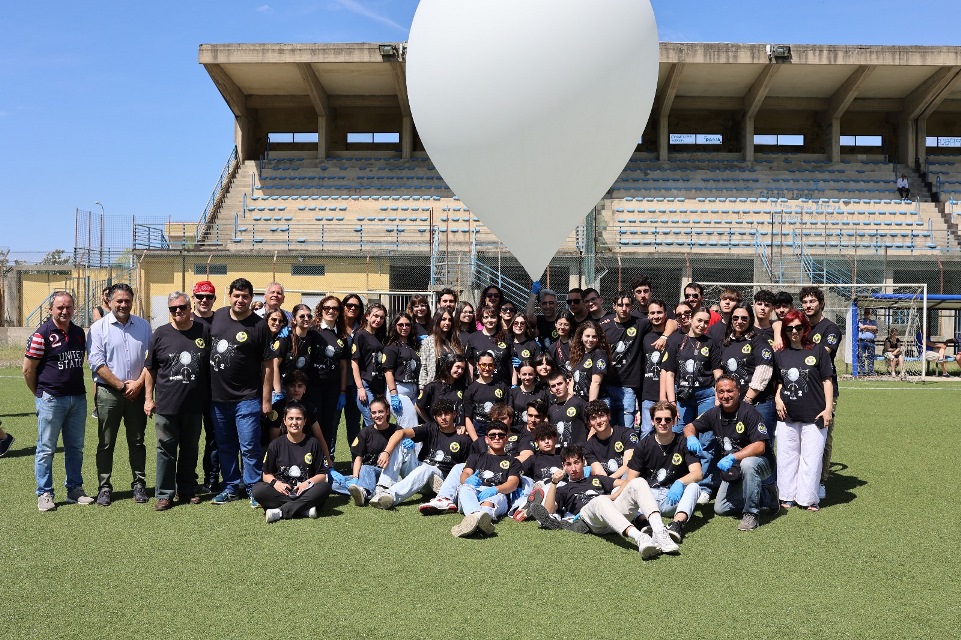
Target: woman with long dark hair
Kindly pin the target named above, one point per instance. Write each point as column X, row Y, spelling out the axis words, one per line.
column 367, row 359
column 444, row 339
column 419, row 310
column 449, row 384
column 328, row 376
column 747, row 357
column 492, row 339
column 466, row 319
column 402, row 368
column 590, row 355
column 353, row 316
column 560, row 349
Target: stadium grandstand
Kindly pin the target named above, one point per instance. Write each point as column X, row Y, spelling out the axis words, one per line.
column 760, row 163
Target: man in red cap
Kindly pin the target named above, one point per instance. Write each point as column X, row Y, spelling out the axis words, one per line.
column 205, row 295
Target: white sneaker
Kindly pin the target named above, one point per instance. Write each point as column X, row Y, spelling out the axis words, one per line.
column 273, row 515
column 436, row 482
column 468, row 525
column 665, row 543
column 437, row 506
column 704, row 497
column 313, row 513
column 382, row 500
column 358, row 493
column 822, row 492
column 45, row 502
column 76, row 495
column 647, row 547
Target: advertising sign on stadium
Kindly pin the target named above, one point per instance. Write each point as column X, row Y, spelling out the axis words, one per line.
column 950, row 141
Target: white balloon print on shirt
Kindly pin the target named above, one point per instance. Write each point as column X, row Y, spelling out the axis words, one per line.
column 294, row 472
column 329, row 351
column 185, row 358
column 793, row 374
column 530, row 137
column 620, row 347
column 689, row 366
column 732, row 364
column 661, row 474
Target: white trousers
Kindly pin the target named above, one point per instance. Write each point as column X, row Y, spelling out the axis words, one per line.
column 800, row 447
column 603, row 515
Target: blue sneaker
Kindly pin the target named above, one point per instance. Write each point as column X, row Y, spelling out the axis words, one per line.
column 253, row 503
column 5, row 444
column 224, row 497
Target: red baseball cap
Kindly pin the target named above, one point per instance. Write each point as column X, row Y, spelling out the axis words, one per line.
column 205, row 286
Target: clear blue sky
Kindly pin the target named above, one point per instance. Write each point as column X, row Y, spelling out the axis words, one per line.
column 106, row 101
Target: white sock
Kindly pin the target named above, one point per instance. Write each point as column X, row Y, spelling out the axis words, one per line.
column 634, row 534
column 655, row 521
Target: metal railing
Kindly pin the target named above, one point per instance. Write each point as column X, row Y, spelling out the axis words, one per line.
column 218, row 193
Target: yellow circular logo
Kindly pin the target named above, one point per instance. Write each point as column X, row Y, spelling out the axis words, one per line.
column 454, row 447
column 596, row 482
column 353, row 348
column 498, row 393
column 526, row 353
column 632, row 332
column 309, row 458
column 460, row 394
column 242, row 336
column 501, row 345
column 571, row 412
column 200, row 343
column 505, row 464
column 705, row 351
column 272, row 416
column 746, row 349
column 276, row 345
column 816, row 338
column 340, row 343
column 588, row 363
column 676, row 460
column 554, row 334
column 739, row 427
column 810, row 361
column 619, row 447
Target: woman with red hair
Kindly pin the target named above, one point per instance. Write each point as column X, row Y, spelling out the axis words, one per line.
column 804, row 408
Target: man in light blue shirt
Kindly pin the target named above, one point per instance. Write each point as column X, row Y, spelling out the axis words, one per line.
column 116, row 350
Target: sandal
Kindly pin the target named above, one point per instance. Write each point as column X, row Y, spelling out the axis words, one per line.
column 813, row 508
column 787, row 505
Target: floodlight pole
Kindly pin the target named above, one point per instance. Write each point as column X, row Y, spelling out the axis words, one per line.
column 101, row 231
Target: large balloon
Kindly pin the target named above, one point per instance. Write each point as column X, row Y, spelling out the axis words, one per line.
column 530, row 109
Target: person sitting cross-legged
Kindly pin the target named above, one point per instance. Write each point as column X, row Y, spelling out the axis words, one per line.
column 486, row 482
column 591, row 504
column 295, row 480
column 538, row 468
column 443, row 447
column 370, row 458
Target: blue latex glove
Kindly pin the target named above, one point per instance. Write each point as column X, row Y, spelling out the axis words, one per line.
column 284, row 332
column 395, row 404
column 473, row 480
column 535, row 288
column 407, row 443
column 341, row 402
column 694, row 445
column 276, row 396
column 726, row 462
column 516, row 362
column 675, row 492
column 486, row 494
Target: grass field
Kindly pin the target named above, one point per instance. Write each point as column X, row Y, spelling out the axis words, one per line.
column 879, row 561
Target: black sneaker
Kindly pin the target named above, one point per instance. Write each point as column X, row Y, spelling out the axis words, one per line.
column 539, row 513
column 140, row 494
column 676, row 531
column 103, row 498
column 5, row 444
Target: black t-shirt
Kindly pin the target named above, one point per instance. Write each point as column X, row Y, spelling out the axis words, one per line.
column 207, row 321
column 479, row 342
column 569, row 419
column 541, row 466
column 368, row 352
column 561, row 353
column 442, row 450
column 438, row 390
column 653, row 360
column 693, row 362
column 740, row 358
column 610, row 452
column 181, row 362
column 370, row 443
column 239, row 349
column 626, row 367
column 571, row 497
column 494, row 470
column 735, row 431
column 717, row 330
column 302, row 360
column 828, row 335
column 546, row 333
column 802, row 373
column 328, row 357
column 660, row 464
column 520, row 399
column 478, row 400
column 594, row 363
column 527, row 350
column 404, row 361
column 60, row 370
column 294, row 462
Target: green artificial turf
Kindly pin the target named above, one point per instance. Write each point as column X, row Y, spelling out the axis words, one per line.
column 880, row 560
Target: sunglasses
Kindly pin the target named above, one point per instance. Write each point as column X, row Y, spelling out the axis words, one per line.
column 305, row 316
column 351, row 305
column 685, row 314
column 692, row 296
column 795, row 328
column 573, row 301
column 485, row 365
column 330, row 308
column 401, row 325
column 507, row 310
column 182, row 308
column 661, row 420
column 498, row 435
column 739, row 318
column 204, row 296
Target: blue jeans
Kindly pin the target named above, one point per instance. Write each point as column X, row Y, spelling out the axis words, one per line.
column 767, row 411
column 703, row 400
column 743, row 496
column 369, row 475
column 237, row 427
column 468, row 503
column 623, row 405
column 56, row 415
column 365, row 408
column 685, row 505
column 866, row 351
column 647, row 425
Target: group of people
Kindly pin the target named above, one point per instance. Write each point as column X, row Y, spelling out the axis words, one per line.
column 580, row 418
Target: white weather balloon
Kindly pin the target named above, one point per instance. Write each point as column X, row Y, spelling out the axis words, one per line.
column 530, row 109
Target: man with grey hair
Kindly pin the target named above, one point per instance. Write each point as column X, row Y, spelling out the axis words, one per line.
column 115, row 352
column 273, row 300
column 53, row 371
column 546, row 299
column 177, row 394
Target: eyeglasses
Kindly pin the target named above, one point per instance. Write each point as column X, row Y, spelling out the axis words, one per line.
column 520, row 324
column 485, row 365
column 351, row 305
column 182, row 308
column 305, row 316
column 498, row 435
column 330, row 308
column 795, row 328
column 739, row 319
column 661, row 420
column 204, row 296
column 402, row 325
column 493, row 294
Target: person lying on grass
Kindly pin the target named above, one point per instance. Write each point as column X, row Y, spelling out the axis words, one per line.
column 294, row 481
column 591, row 504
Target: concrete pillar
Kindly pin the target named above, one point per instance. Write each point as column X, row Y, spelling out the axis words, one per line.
column 921, row 142
column 907, row 148
column 832, row 134
column 663, row 140
column 323, row 136
column 407, row 137
column 747, row 138
column 245, row 137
